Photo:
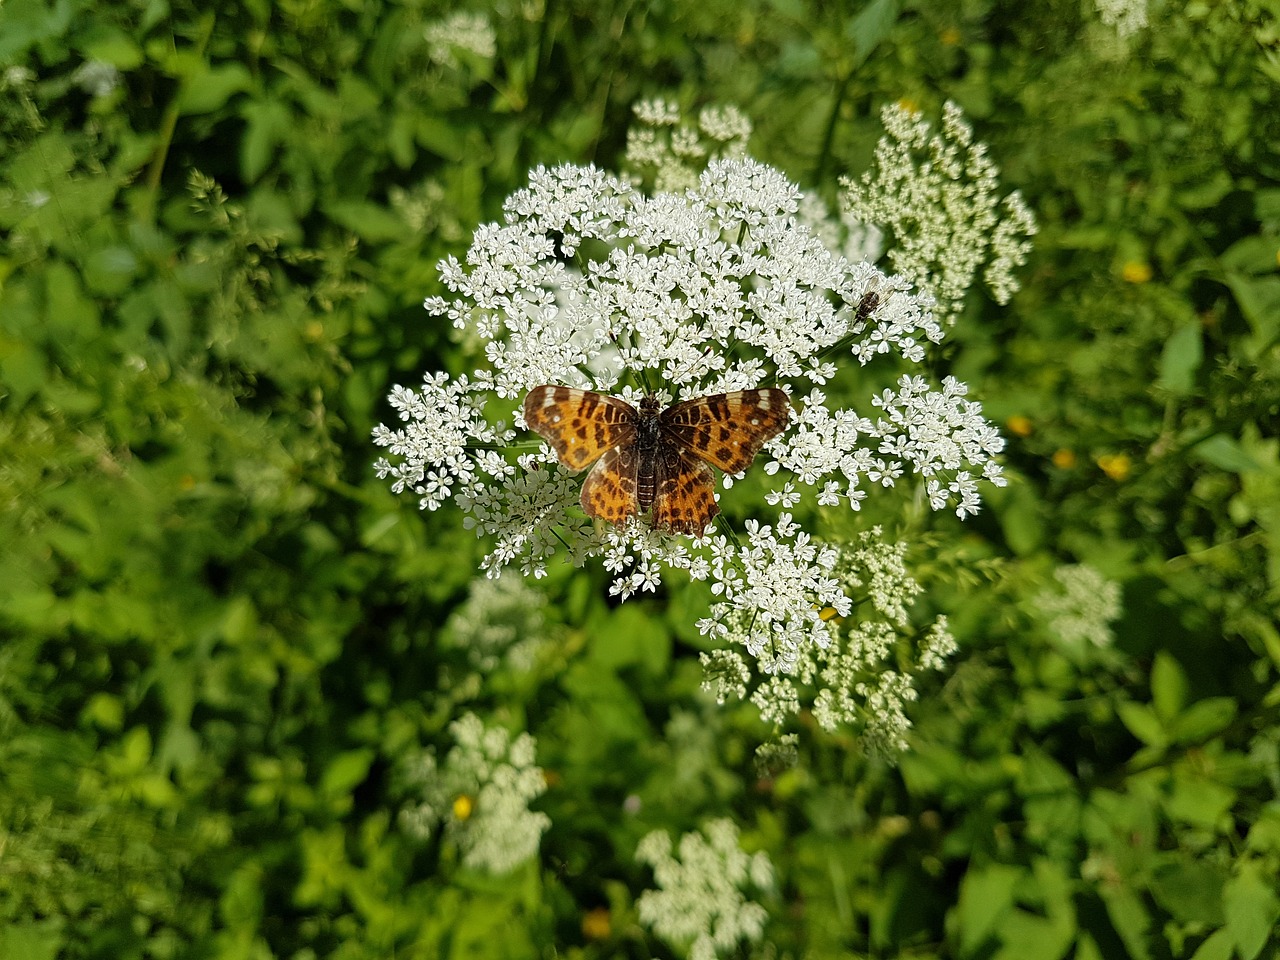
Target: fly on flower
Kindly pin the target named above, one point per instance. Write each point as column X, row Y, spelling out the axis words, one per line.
column 655, row 458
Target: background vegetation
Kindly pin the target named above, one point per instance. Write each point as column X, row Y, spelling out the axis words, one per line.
column 221, row 634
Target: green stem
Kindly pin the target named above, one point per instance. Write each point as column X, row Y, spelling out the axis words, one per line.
column 829, row 134
column 169, row 125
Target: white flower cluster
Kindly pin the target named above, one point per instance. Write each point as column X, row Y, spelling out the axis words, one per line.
column 1126, row 17
column 850, row 237
column 589, row 282
column 850, row 673
column 481, row 795
column 96, row 78
column 668, row 153
column 502, row 622
column 1081, row 608
column 469, row 33
column 936, row 195
column 699, row 906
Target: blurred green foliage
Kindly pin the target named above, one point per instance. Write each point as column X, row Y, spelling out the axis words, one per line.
column 220, row 634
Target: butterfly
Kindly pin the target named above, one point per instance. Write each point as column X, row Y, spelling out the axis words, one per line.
column 655, row 458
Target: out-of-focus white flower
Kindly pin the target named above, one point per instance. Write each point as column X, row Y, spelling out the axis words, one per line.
column 96, row 78
column 1081, row 608
column 469, row 33
column 480, row 796
column 936, row 194
column 700, row 905
column 671, row 154
column 502, row 621
column 1126, row 17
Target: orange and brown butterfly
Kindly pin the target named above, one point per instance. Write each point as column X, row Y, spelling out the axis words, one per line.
column 655, row 458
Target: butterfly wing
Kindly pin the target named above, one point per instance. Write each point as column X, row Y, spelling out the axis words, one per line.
column 579, row 424
column 684, row 500
column 609, row 492
column 727, row 430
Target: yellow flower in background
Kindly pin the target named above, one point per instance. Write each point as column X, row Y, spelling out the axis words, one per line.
column 1136, row 271
column 1064, row 459
column 1117, row 466
column 462, row 807
column 1019, row 425
column 949, row 37
column 596, row 924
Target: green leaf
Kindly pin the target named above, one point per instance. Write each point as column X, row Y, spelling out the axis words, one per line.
column 1181, row 358
column 1252, row 910
column 1168, row 687
column 986, row 895
column 1190, row 890
column 209, row 89
column 367, row 220
column 869, row 27
column 1130, row 919
column 1142, row 723
column 114, row 46
column 40, row 940
column 1219, row 946
column 631, row 635
column 1203, row 719
column 1259, row 301
column 267, row 125
column 1201, row 803
column 1253, row 255
column 1224, row 452
column 1023, row 934
column 345, row 771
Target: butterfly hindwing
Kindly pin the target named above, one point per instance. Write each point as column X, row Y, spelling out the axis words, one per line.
column 580, row 424
column 609, row 492
column 727, row 430
column 684, row 500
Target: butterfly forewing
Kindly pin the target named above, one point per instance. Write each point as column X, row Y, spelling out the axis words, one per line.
column 728, row 429
column 609, row 492
column 685, row 499
column 648, row 458
column 579, row 424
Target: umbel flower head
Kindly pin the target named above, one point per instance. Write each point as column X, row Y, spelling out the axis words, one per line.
column 700, row 904
column 480, row 796
column 590, row 283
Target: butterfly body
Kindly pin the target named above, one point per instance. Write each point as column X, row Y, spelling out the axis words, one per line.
column 651, row 459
